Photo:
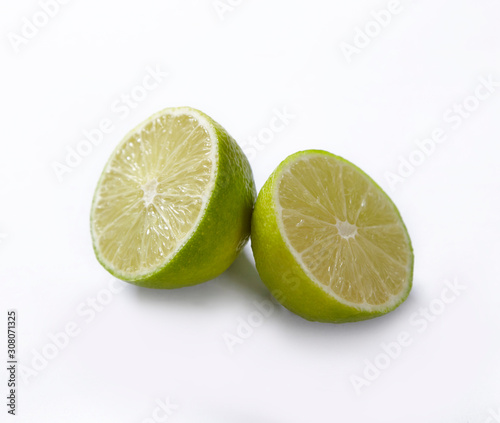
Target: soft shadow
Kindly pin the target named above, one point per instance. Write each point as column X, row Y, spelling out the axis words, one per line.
column 243, row 277
column 396, row 318
column 240, row 280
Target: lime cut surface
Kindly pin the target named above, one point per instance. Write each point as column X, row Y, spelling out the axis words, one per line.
column 338, row 233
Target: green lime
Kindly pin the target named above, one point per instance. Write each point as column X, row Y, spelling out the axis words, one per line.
column 328, row 242
column 173, row 205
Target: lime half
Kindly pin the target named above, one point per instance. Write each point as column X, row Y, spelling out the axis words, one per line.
column 328, row 242
column 173, row 205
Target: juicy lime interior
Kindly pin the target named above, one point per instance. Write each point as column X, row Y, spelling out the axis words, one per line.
column 343, row 230
column 152, row 193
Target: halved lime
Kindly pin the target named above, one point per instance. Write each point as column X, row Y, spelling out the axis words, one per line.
column 173, row 205
column 328, row 242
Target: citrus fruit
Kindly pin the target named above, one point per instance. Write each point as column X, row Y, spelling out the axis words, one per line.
column 173, row 205
column 328, row 242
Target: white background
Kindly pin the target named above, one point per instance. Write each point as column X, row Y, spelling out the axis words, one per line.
column 239, row 66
